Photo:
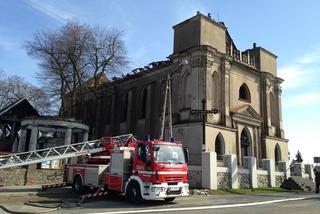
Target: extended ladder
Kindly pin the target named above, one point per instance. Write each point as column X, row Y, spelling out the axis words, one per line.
column 56, row 153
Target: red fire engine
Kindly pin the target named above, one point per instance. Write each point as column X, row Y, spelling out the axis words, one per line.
column 149, row 170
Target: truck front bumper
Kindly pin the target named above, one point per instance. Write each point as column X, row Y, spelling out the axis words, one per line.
column 164, row 190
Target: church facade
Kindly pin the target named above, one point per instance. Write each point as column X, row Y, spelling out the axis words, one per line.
column 238, row 92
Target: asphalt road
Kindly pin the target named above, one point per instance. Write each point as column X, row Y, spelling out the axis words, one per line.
column 268, row 203
column 210, row 204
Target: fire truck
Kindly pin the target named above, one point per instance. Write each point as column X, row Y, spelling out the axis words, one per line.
column 141, row 170
column 148, row 170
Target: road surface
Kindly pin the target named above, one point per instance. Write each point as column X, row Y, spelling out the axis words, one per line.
column 233, row 203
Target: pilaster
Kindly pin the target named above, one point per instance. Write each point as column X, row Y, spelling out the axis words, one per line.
column 252, row 166
column 33, row 139
column 269, row 166
column 279, row 92
column 231, row 163
column 22, row 140
column 85, row 136
column 268, row 104
column 225, row 92
column 209, row 170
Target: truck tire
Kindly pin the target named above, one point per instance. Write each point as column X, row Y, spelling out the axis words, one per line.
column 169, row 199
column 133, row 193
column 77, row 184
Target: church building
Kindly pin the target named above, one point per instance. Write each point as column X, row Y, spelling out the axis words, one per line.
column 237, row 93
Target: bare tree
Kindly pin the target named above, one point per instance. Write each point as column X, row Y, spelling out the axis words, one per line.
column 13, row 88
column 74, row 58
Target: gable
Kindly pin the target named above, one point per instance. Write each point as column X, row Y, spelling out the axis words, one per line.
column 246, row 111
column 18, row 110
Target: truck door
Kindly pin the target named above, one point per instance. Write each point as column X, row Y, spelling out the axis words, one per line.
column 143, row 162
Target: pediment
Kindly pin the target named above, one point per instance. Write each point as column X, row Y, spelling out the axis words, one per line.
column 246, row 111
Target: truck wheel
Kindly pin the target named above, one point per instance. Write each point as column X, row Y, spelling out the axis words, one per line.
column 169, row 199
column 77, row 184
column 133, row 193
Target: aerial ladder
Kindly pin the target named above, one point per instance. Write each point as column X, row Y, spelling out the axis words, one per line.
column 57, row 153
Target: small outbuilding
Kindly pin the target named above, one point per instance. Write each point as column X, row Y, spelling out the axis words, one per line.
column 46, row 131
column 10, row 122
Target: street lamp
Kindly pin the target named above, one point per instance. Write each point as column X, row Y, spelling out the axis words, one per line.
column 170, row 76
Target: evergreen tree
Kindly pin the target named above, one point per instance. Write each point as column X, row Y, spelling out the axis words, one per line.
column 298, row 157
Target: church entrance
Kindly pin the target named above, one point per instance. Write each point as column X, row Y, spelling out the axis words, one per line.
column 245, row 142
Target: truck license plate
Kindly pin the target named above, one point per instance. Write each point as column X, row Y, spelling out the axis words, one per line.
column 174, row 188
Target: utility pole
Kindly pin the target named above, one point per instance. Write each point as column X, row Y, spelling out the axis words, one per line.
column 164, row 107
column 168, row 90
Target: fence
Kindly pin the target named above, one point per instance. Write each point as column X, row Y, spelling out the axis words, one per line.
column 216, row 174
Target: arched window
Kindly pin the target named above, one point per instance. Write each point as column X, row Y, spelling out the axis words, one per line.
column 124, row 111
column 273, row 106
column 245, row 142
column 244, row 93
column 144, row 103
column 277, row 153
column 216, row 91
column 219, row 146
column 186, row 90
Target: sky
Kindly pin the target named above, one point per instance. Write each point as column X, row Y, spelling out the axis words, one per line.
column 288, row 28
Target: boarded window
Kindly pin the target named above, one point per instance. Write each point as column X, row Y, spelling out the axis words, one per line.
column 244, row 93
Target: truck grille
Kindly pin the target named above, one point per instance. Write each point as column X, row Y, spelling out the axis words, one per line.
column 175, row 192
column 173, row 179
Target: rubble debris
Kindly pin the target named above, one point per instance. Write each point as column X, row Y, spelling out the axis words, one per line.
column 200, row 192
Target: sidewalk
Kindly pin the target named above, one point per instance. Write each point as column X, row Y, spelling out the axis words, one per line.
column 13, row 199
column 10, row 191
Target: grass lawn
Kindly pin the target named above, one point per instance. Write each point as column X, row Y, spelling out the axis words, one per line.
column 250, row 191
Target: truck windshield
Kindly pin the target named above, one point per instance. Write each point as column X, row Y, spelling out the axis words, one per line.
column 168, row 154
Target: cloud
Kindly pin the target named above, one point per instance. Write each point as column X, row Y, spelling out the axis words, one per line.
column 301, row 71
column 310, row 58
column 295, row 76
column 8, row 44
column 296, row 101
column 51, row 11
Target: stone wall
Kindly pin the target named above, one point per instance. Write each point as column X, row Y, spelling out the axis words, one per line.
column 279, row 180
column 228, row 174
column 195, row 176
column 13, row 177
column 220, row 163
column 29, row 175
column 223, row 180
column 243, row 179
column 262, row 180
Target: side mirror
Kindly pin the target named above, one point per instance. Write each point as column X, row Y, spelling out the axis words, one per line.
column 186, row 154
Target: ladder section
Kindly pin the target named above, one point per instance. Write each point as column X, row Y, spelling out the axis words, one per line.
column 54, row 153
column 122, row 139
